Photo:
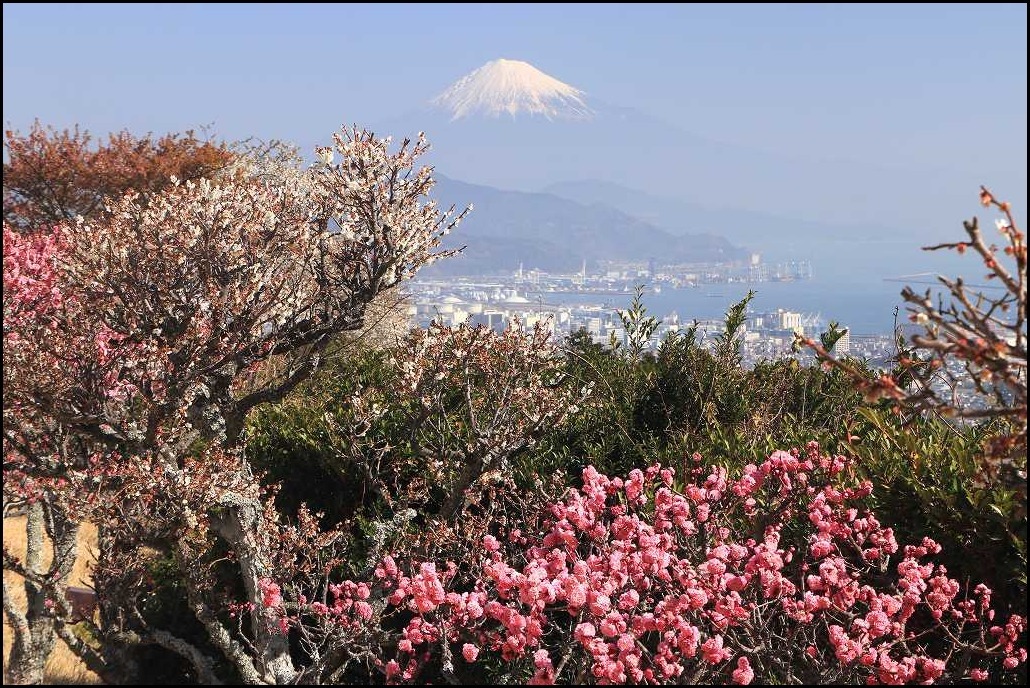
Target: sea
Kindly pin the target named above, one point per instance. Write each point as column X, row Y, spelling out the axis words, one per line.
column 863, row 308
column 858, row 285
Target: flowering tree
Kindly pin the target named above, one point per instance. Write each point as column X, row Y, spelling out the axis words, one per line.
column 37, row 448
column 183, row 295
column 50, row 178
column 779, row 575
column 460, row 404
column 971, row 360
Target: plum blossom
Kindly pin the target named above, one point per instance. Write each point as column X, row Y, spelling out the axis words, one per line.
column 743, row 675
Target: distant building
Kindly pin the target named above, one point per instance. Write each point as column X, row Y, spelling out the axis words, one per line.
column 493, row 320
column 843, row 345
column 788, row 320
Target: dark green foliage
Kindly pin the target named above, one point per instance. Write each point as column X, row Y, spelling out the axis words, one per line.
column 639, row 326
column 685, row 398
column 727, row 343
column 833, row 335
column 296, row 444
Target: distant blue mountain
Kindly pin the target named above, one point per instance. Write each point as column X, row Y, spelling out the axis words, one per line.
column 851, row 252
column 757, row 230
column 541, row 230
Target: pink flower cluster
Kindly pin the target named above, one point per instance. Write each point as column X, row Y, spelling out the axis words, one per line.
column 30, row 278
column 271, row 594
column 349, row 607
column 657, row 584
column 274, row 612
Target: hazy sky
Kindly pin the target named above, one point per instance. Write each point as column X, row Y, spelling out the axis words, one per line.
column 915, row 86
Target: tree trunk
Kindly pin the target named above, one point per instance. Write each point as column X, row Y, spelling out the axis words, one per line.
column 25, row 665
column 34, row 637
column 240, row 527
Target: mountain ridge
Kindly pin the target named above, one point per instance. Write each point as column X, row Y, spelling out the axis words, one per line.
column 555, row 234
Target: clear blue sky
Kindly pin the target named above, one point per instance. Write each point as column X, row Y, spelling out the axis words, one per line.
column 917, row 86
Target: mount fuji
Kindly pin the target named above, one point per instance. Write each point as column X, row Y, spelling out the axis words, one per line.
column 510, row 125
column 512, row 87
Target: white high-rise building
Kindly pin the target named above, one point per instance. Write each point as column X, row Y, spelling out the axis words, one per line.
column 789, row 320
column 843, row 345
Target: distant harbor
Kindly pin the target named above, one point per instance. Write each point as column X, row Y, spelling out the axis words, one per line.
column 701, row 291
column 582, row 291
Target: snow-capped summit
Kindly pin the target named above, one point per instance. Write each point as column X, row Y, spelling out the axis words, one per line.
column 513, row 87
